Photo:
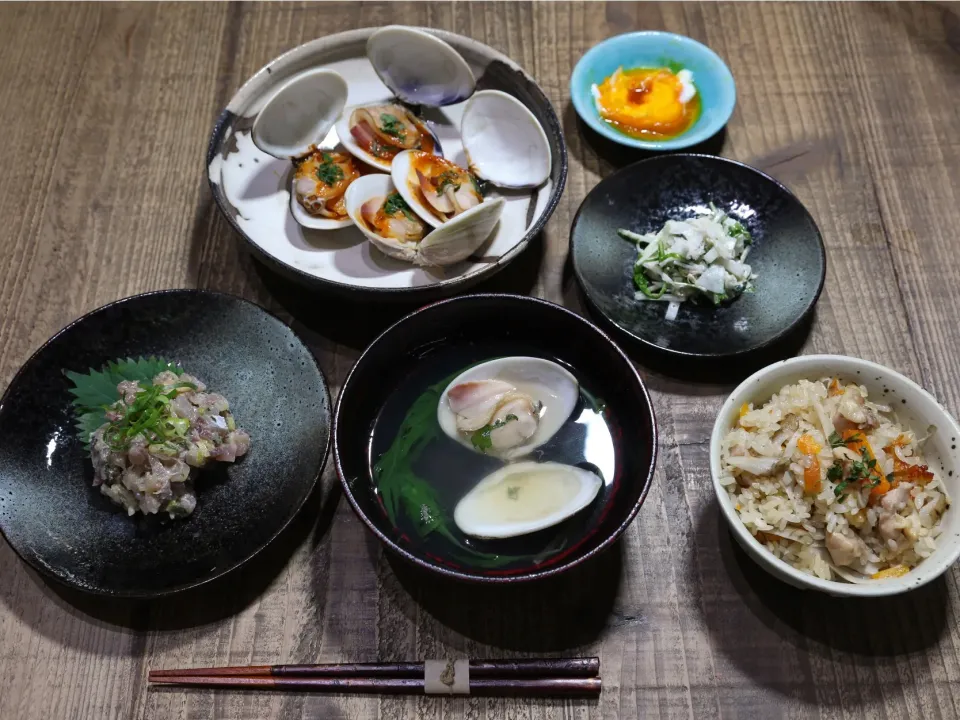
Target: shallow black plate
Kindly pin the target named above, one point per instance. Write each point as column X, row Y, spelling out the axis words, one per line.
column 62, row 526
column 494, row 322
column 787, row 253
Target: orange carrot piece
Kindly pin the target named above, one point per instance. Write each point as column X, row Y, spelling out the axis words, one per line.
column 891, row 572
column 811, row 474
column 807, row 445
column 811, row 477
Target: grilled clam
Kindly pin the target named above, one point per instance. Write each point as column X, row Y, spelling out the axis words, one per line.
column 387, row 220
column 437, row 189
column 320, row 181
column 376, row 134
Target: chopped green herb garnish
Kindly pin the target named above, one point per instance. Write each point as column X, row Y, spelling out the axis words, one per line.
column 328, row 172
column 643, row 284
column 835, row 473
column 448, row 178
column 477, row 184
column 737, row 230
column 513, row 492
column 835, row 440
column 396, row 204
column 392, row 126
column 481, row 438
column 147, row 417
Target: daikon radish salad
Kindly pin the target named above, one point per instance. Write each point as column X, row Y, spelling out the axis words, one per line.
column 702, row 259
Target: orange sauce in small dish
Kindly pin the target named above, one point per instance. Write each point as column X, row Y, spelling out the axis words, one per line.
column 648, row 103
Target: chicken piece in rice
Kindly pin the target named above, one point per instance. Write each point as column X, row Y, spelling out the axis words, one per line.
column 157, row 435
column 832, row 483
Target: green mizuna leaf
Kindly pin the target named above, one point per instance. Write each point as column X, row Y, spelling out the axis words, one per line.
column 94, row 391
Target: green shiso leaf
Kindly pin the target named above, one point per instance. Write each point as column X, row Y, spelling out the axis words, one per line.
column 94, row 391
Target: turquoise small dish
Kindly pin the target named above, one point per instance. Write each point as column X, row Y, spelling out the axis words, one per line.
column 711, row 77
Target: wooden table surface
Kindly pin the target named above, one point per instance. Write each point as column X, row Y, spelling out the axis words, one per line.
column 106, row 110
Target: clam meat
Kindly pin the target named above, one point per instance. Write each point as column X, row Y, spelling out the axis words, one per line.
column 384, row 216
column 390, row 217
column 525, row 497
column 509, row 406
column 378, row 133
column 436, row 188
column 320, row 181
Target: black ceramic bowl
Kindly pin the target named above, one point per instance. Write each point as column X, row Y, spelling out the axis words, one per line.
column 60, row 524
column 787, row 254
column 470, row 329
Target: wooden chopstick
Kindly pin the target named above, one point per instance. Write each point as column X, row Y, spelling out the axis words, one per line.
column 528, row 687
column 521, row 668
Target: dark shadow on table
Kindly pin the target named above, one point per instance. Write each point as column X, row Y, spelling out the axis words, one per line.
column 557, row 613
column 219, row 599
column 584, row 143
column 698, row 372
column 356, row 320
column 749, row 615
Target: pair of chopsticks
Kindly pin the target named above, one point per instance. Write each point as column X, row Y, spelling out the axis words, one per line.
column 546, row 677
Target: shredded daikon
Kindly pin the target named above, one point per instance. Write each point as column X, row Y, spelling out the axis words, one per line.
column 700, row 257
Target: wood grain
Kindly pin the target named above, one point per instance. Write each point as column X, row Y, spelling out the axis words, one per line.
column 106, row 110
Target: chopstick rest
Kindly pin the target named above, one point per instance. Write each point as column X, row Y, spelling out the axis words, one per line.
column 446, row 677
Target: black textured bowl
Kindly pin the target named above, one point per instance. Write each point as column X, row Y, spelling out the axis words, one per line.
column 62, row 526
column 489, row 320
column 787, row 254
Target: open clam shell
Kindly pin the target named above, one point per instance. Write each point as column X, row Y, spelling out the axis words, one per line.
column 504, row 142
column 525, row 497
column 311, row 221
column 550, row 386
column 306, row 180
column 368, row 189
column 350, row 139
column 454, row 242
column 437, row 203
column 300, row 114
column 461, row 237
column 419, row 68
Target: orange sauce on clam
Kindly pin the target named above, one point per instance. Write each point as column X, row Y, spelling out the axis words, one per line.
column 648, row 103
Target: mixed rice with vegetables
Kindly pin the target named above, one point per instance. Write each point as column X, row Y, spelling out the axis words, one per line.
column 832, row 483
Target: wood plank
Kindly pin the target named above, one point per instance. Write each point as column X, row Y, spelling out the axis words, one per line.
column 103, row 195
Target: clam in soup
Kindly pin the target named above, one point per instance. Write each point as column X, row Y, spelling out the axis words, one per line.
column 493, row 461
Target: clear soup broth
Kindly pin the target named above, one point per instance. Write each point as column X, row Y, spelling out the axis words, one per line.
column 420, row 474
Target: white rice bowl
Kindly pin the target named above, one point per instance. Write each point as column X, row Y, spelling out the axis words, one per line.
column 933, row 549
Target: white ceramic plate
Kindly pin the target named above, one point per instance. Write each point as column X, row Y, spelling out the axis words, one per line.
column 915, row 408
column 252, row 188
